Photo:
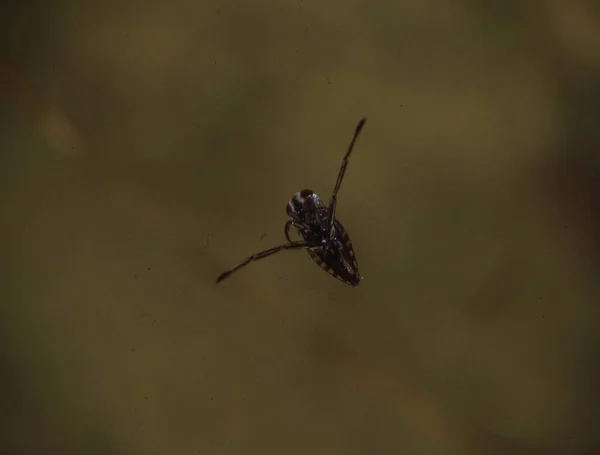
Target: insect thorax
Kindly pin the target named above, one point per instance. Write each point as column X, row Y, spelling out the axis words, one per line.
column 308, row 213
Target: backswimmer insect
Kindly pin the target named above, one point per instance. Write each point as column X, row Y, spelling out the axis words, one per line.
column 323, row 236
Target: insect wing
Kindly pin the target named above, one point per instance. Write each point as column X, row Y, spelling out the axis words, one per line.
column 341, row 261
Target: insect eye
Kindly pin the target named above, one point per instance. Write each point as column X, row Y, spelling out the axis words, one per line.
column 298, row 206
column 294, row 206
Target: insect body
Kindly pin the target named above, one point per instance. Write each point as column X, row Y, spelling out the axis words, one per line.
column 323, row 236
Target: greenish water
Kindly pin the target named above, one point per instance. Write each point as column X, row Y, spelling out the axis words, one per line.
column 147, row 147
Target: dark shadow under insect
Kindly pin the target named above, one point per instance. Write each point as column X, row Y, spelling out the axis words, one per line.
column 323, row 236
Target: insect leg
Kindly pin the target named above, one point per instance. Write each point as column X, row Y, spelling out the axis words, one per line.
column 263, row 254
column 299, row 226
column 286, row 230
column 340, row 177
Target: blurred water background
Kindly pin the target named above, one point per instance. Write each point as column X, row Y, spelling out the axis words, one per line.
column 147, row 146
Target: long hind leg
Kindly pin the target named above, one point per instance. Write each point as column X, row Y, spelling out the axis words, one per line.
column 263, row 254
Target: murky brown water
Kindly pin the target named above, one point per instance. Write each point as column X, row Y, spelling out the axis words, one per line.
column 148, row 146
